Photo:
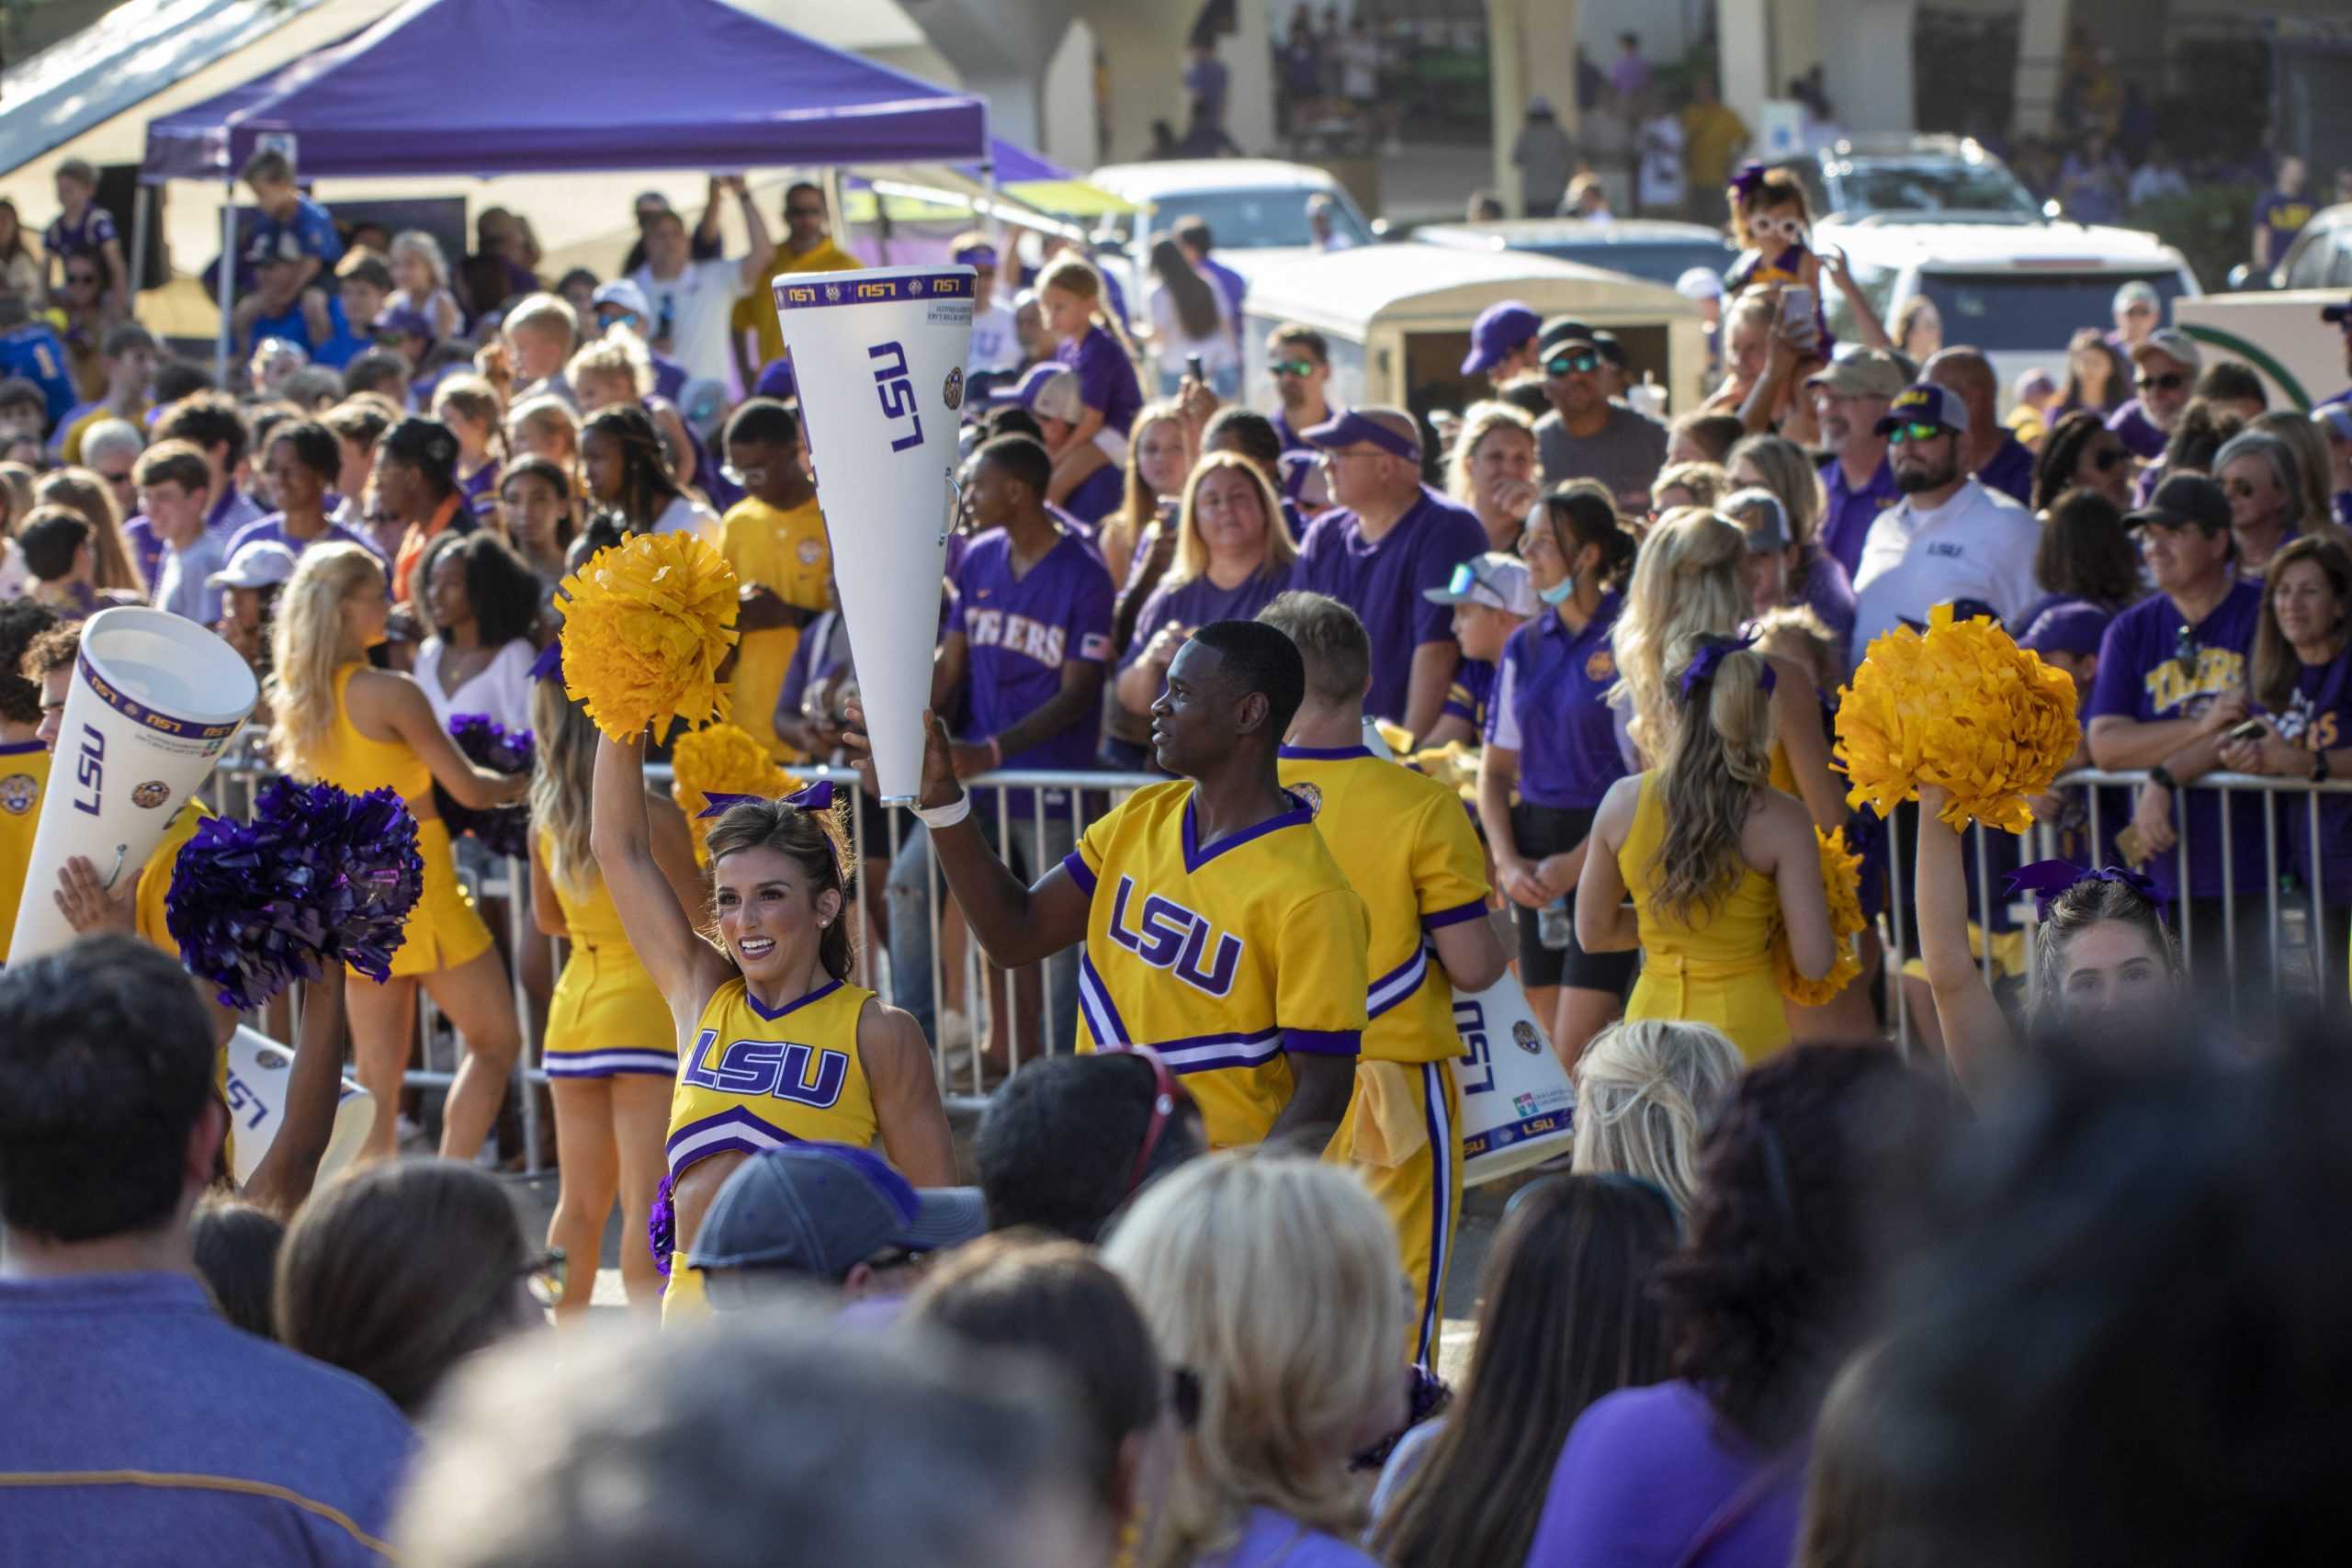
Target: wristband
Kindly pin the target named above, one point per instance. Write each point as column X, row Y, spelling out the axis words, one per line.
column 2160, row 775
column 996, row 751
column 938, row 817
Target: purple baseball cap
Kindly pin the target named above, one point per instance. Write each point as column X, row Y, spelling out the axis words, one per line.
column 403, row 320
column 981, row 255
column 1500, row 331
column 2071, row 626
column 1352, row 425
column 775, row 381
column 1923, row 402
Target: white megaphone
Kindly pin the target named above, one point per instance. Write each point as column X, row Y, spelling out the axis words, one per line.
column 879, row 358
column 154, row 699
column 258, row 1070
column 1517, row 1105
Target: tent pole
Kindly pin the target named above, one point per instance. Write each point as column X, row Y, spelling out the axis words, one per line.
column 837, row 205
column 142, row 209
column 228, row 279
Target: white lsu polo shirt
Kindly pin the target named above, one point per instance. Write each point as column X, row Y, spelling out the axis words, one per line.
column 1978, row 545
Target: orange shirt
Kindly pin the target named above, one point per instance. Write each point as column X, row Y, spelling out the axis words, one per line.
column 413, row 543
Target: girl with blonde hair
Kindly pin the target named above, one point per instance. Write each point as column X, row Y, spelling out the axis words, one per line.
column 1159, row 455
column 1713, row 855
column 617, row 368
column 337, row 721
column 467, row 405
column 1095, row 346
column 1274, row 1281
column 1492, row 471
column 611, row 1050
column 1644, row 1091
column 421, row 283
column 88, row 493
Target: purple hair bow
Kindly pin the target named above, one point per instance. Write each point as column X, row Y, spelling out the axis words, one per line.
column 2047, row 879
column 818, row 797
column 1746, row 183
column 1703, row 665
column 549, row 665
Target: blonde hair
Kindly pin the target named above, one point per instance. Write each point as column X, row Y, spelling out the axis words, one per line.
column 551, row 312
column 1797, row 631
column 1076, row 275
column 1192, row 551
column 1686, row 583
column 1789, row 474
column 1276, row 1279
column 1479, row 421
column 1717, row 757
column 561, row 777
column 86, row 493
column 1644, row 1091
column 547, row 410
column 417, row 242
column 306, row 647
column 1118, row 532
column 619, row 352
column 1707, row 482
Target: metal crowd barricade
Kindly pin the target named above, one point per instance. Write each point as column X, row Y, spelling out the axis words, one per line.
column 2294, row 922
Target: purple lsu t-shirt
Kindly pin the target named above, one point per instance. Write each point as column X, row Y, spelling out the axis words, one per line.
column 1196, row 603
column 2140, row 678
column 1382, row 583
column 1106, row 378
column 1551, row 705
column 2319, row 719
column 2141, row 435
column 272, row 529
column 1644, row 1473
column 1847, row 524
column 1021, row 631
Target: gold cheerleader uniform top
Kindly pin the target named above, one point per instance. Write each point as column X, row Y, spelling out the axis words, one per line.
column 1717, row 972
column 443, row 932
column 606, row 1017
column 756, row 1078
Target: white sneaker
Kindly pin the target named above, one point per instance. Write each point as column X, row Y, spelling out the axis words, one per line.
column 954, row 1030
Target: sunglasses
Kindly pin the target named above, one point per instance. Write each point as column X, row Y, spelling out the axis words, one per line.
column 2170, row 381
column 1467, row 577
column 1790, row 229
column 1167, row 1095
column 1913, row 432
column 1583, row 364
column 804, row 212
column 544, row 1276
column 1290, row 368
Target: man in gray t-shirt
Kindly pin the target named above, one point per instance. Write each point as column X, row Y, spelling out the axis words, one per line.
column 1585, row 437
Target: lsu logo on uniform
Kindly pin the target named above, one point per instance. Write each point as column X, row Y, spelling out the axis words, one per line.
column 1601, row 665
column 780, row 1069
column 17, row 794
column 1311, row 794
column 1166, row 935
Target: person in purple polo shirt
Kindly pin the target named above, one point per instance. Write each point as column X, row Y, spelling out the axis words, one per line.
column 1390, row 537
column 2173, row 682
column 2164, row 367
column 1051, row 393
column 302, row 460
column 1991, row 451
column 1027, row 646
column 1551, row 740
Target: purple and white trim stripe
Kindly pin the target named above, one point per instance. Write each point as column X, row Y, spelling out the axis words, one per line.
column 616, row 1062
column 1440, row 1121
column 1207, row 1052
column 734, row 1129
column 1398, row 983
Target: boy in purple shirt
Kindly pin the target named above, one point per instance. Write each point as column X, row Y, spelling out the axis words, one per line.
column 1028, row 644
column 1391, row 538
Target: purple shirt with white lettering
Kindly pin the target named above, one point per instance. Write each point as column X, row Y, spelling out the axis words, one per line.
column 1847, row 523
column 1021, row 631
column 1382, row 583
column 1106, row 378
column 2142, row 677
column 2319, row 719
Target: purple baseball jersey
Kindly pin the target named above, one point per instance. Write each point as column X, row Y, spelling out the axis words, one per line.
column 1019, row 633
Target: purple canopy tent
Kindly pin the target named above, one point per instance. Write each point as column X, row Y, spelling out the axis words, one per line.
column 477, row 88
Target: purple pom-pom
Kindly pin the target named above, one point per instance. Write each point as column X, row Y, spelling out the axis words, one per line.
column 504, row 829
column 318, row 877
column 662, row 1228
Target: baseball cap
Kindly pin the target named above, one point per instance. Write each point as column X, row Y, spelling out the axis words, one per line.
column 2334, row 419
column 1923, row 402
column 1561, row 332
column 403, row 320
column 427, row 443
column 1611, row 349
column 2173, row 343
column 265, row 563
column 1700, row 283
column 775, row 381
column 1860, row 372
column 1497, row 580
column 979, row 254
column 821, row 1208
column 620, row 291
column 1961, row 610
column 2139, row 292
column 2071, row 626
column 1496, row 334
column 1759, row 511
column 1352, row 425
column 1049, row 391
column 2184, row 500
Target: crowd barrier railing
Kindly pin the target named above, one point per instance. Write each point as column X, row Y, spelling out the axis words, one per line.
column 1055, row 807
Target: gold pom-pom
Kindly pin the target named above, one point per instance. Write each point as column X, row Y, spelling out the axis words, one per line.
column 646, row 624
column 1841, row 880
column 1963, row 707
column 721, row 758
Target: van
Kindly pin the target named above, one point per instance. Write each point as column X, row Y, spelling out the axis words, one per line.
column 1398, row 318
column 2017, row 292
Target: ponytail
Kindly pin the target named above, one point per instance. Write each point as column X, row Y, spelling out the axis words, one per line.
column 1718, row 755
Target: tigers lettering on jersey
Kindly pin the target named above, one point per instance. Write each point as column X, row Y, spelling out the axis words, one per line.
column 1166, row 935
column 2174, row 683
column 1015, row 633
column 780, row 1069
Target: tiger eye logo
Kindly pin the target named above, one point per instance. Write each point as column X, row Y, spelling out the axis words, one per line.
column 1312, row 795
column 954, row 390
column 1601, row 666
column 17, row 792
column 1524, row 1035
column 152, row 793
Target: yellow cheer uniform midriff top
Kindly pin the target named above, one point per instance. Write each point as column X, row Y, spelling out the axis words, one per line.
column 1718, row 972
column 754, row 1079
column 443, row 932
column 606, row 1017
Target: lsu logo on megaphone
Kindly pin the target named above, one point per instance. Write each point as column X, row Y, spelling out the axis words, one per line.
column 896, row 392
column 89, row 770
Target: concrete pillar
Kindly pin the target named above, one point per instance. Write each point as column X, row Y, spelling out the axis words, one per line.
column 1000, row 50
column 1143, row 47
column 1749, row 71
column 1249, row 58
column 1796, row 41
column 1865, row 62
column 2041, row 44
column 1067, row 97
column 1530, row 52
